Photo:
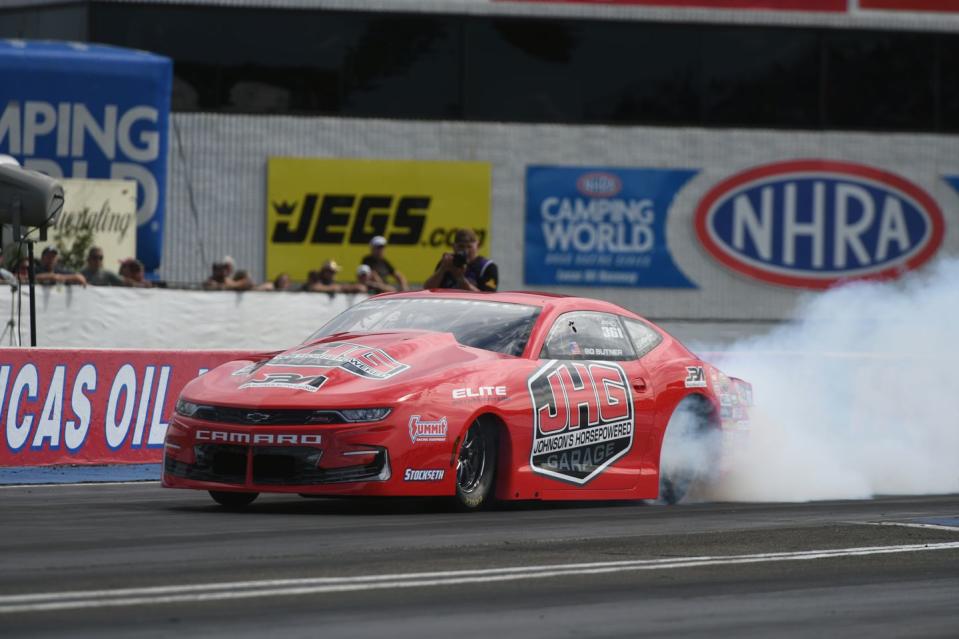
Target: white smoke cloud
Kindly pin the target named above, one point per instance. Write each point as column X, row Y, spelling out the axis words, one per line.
column 857, row 397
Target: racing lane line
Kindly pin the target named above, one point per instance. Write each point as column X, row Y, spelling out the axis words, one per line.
column 37, row 602
column 904, row 524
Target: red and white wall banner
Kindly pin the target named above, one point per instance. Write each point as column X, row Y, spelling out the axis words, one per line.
column 839, row 6
column 942, row 6
column 92, row 406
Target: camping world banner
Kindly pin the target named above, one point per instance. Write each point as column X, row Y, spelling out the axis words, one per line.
column 595, row 226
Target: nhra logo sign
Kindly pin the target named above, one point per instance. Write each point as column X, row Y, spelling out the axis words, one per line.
column 583, row 419
column 813, row 223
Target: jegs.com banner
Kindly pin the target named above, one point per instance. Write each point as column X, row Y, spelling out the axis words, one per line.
column 320, row 209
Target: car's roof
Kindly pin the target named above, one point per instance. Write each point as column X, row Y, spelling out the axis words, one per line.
column 532, row 298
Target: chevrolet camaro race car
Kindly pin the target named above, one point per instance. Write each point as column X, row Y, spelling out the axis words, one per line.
column 472, row 396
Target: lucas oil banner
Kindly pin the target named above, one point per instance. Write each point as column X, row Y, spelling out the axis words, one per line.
column 601, row 226
column 92, row 406
column 320, row 209
column 74, row 110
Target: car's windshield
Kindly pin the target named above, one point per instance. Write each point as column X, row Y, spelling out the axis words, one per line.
column 492, row 326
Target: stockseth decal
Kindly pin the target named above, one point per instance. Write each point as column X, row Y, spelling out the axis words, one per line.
column 427, row 431
column 813, row 223
column 231, row 437
column 362, row 361
column 583, row 418
column 431, row 474
column 695, row 377
column 288, row 380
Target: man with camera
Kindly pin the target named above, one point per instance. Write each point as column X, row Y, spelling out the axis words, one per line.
column 464, row 268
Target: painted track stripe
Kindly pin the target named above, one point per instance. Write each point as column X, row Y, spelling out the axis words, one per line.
column 92, row 482
column 38, row 602
column 905, row 524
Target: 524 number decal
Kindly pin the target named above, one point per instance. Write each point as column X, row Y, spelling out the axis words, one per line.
column 583, row 418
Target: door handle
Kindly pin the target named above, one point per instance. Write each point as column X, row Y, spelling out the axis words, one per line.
column 639, row 384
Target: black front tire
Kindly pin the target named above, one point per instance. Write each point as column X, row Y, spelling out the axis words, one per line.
column 476, row 467
column 233, row 500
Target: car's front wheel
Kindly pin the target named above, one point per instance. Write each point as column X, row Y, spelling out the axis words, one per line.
column 476, row 467
column 231, row 499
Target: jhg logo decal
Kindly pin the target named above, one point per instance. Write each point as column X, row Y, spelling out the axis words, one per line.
column 321, row 209
column 288, row 380
column 583, row 419
column 362, row 361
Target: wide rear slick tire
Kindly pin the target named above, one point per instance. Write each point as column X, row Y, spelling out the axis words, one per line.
column 476, row 467
column 231, row 500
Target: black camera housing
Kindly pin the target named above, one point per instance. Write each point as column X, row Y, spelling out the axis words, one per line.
column 460, row 259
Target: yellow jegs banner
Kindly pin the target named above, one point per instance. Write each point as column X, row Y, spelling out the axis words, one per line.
column 330, row 209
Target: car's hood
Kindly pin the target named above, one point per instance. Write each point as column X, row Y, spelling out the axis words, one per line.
column 356, row 369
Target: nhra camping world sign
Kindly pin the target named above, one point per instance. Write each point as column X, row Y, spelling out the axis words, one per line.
column 91, row 111
column 319, row 209
column 815, row 223
column 601, row 226
column 92, row 406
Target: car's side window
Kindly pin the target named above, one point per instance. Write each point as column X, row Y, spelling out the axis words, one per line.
column 643, row 336
column 588, row 335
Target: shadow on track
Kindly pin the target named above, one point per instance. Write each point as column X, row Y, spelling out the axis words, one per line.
column 372, row 506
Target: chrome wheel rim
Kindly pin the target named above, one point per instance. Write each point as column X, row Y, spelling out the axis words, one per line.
column 471, row 462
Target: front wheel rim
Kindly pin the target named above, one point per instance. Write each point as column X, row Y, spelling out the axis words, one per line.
column 471, row 462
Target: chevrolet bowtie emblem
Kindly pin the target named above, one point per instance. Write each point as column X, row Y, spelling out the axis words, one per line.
column 257, row 418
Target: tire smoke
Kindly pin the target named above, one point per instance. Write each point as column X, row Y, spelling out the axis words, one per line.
column 857, row 397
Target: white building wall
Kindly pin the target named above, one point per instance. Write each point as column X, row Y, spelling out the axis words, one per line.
column 222, row 158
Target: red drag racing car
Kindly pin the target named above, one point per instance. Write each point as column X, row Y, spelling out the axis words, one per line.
column 475, row 396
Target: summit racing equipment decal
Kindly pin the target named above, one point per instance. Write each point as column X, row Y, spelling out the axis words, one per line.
column 814, row 223
column 362, row 361
column 427, row 431
column 583, row 418
column 288, row 380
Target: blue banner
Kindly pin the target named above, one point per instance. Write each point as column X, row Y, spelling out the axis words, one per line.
column 75, row 110
column 601, row 226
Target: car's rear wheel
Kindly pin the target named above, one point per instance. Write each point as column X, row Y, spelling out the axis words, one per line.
column 233, row 500
column 690, row 452
column 476, row 467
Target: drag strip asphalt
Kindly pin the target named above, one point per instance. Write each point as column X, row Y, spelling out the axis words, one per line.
column 139, row 560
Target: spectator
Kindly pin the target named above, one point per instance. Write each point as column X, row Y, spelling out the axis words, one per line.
column 324, row 281
column 380, row 266
column 365, row 276
column 217, row 279
column 49, row 271
column 94, row 272
column 283, row 282
column 240, row 282
column 133, row 273
column 464, row 268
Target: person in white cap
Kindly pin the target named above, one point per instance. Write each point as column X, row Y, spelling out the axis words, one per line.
column 380, row 266
column 364, row 276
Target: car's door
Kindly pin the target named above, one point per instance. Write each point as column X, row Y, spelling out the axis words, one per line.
column 589, row 403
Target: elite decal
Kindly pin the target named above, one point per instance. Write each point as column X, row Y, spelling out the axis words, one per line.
column 583, row 419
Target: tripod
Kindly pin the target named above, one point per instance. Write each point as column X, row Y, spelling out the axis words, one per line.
column 11, row 323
